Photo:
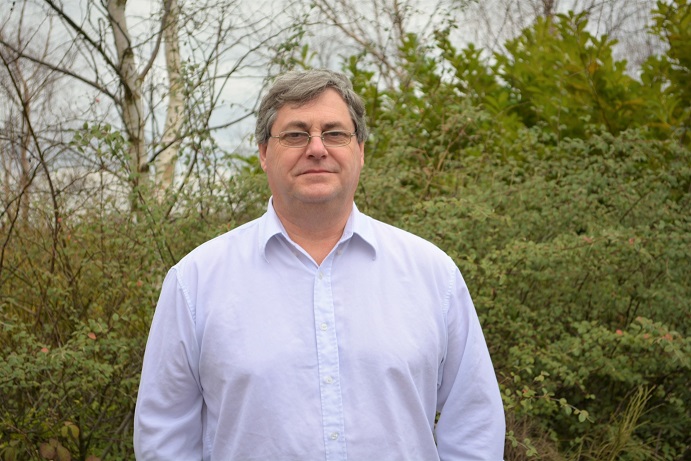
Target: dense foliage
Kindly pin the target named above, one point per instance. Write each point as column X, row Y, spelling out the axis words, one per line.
column 560, row 185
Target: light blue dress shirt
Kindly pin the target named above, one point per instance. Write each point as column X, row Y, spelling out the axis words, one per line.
column 256, row 353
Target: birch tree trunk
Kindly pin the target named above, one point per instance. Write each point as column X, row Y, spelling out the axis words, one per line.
column 132, row 113
column 170, row 141
column 131, row 81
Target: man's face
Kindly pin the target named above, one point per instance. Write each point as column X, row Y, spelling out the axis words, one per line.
column 313, row 174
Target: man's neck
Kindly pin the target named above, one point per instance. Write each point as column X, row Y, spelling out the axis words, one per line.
column 316, row 228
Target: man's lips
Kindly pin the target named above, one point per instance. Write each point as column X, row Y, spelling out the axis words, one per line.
column 315, row 171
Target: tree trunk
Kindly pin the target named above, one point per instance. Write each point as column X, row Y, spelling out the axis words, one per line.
column 132, row 105
column 170, row 142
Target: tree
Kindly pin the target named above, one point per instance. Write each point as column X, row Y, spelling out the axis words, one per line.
column 112, row 61
column 165, row 162
column 376, row 30
column 669, row 75
column 493, row 22
column 26, row 155
column 566, row 78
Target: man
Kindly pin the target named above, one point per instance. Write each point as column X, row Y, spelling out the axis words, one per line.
column 316, row 333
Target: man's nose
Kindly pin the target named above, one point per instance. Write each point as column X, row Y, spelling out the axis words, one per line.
column 315, row 147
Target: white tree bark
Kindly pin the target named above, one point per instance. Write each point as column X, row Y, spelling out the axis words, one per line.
column 131, row 82
column 170, row 141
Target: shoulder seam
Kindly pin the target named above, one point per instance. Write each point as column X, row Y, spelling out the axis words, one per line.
column 450, row 286
column 185, row 294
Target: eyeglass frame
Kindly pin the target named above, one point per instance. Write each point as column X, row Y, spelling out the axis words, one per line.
column 310, row 136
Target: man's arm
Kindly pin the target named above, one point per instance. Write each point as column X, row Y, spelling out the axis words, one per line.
column 168, row 415
column 471, row 425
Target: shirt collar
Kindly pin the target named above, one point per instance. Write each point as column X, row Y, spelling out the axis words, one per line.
column 358, row 224
column 361, row 225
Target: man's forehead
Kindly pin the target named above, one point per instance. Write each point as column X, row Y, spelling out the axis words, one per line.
column 331, row 113
column 326, row 92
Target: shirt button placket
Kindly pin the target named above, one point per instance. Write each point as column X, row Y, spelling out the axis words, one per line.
column 327, row 353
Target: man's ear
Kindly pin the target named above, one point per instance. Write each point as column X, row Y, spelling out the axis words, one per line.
column 262, row 155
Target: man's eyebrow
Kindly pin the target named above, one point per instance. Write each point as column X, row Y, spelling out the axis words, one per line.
column 300, row 125
column 331, row 125
column 296, row 124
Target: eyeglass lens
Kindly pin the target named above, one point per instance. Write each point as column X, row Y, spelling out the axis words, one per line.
column 302, row 138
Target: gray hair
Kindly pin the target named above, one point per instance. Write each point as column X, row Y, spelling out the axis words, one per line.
column 301, row 87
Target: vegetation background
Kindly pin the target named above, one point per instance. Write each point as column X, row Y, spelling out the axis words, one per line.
column 554, row 172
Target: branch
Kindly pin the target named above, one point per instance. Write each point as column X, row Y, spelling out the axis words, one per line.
column 42, row 163
column 157, row 46
column 80, row 32
column 60, row 70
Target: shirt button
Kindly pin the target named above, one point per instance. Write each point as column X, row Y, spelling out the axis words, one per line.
column 323, row 326
column 334, row 435
column 328, row 380
column 321, row 276
column 339, row 252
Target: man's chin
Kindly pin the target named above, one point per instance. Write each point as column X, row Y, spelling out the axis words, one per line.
column 317, row 197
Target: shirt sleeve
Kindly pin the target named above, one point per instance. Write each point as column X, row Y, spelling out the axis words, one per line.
column 471, row 424
column 168, row 414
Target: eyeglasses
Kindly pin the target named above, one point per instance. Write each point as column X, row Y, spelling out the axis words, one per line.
column 334, row 138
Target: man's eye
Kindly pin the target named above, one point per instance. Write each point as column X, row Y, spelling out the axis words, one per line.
column 294, row 135
column 336, row 135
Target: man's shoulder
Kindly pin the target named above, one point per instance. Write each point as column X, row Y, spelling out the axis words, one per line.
column 390, row 238
column 242, row 237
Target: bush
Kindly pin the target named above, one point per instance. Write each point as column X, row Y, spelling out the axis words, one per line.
column 576, row 255
column 78, row 292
